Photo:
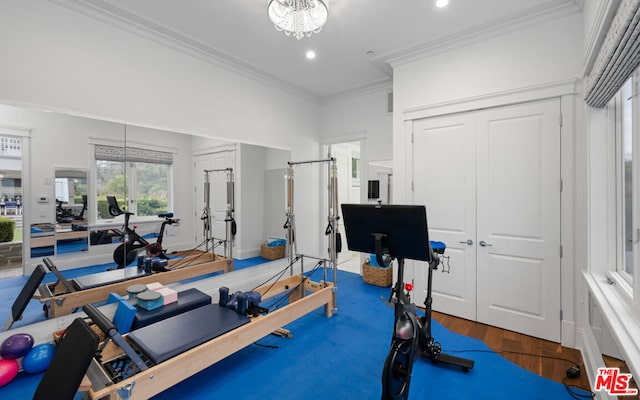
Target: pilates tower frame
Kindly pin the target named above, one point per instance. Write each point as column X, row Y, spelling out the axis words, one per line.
column 332, row 216
column 229, row 217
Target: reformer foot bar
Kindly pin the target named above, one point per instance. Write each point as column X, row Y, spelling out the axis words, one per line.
column 188, row 343
column 64, row 296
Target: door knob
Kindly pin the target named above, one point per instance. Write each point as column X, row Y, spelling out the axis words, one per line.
column 468, row 241
column 484, row 244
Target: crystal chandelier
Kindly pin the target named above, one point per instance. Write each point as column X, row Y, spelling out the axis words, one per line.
column 298, row 17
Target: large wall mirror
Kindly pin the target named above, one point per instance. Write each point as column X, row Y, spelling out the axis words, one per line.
column 80, row 148
column 71, row 198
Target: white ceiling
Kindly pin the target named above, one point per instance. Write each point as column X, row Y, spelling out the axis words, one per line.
column 240, row 33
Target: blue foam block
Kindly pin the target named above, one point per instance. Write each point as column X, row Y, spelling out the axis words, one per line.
column 124, row 313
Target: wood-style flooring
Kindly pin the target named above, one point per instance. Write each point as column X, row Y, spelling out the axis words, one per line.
column 548, row 359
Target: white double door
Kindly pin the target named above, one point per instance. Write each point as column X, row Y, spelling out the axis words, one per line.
column 490, row 181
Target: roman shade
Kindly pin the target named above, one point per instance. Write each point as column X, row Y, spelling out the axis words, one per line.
column 132, row 154
column 618, row 57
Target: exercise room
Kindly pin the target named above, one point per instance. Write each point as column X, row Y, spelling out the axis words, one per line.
column 328, row 199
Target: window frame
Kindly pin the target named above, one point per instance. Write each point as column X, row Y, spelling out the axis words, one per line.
column 628, row 284
column 131, row 189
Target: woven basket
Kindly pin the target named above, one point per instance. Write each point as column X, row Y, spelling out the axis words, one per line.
column 272, row 252
column 377, row 276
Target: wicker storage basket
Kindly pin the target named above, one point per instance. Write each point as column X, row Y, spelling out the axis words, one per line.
column 272, row 252
column 376, row 275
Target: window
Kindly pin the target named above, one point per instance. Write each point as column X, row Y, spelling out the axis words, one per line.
column 627, row 174
column 141, row 184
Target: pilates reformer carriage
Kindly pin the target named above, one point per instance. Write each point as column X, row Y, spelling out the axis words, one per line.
column 194, row 340
column 64, row 296
column 189, row 343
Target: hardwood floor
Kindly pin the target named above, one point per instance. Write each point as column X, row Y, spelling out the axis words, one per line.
column 547, row 359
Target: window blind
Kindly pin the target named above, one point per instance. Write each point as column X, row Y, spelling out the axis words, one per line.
column 132, row 154
column 618, row 57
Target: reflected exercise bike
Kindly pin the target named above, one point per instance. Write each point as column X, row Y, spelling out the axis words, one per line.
column 132, row 243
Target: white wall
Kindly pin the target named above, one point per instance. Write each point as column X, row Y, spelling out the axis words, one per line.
column 57, row 59
column 359, row 114
column 252, row 161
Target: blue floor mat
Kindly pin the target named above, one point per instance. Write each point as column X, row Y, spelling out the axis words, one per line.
column 342, row 358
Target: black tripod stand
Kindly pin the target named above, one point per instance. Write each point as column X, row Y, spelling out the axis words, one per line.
column 400, row 232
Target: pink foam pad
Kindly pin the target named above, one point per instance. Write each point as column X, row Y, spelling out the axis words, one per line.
column 169, row 295
column 155, row 286
column 8, row 371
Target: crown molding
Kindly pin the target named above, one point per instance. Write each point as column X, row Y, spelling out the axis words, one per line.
column 514, row 96
column 511, row 23
column 377, row 86
column 119, row 17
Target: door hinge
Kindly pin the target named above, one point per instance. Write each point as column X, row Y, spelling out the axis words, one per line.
column 412, row 187
column 560, row 120
column 412, row 137
column 561, row 251
column 561, row 185
column 561, row 315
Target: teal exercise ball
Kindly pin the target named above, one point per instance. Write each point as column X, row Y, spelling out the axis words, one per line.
column 39, row 358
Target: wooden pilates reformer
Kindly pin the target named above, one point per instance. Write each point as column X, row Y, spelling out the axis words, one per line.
column 64, row 296
column 304, row 296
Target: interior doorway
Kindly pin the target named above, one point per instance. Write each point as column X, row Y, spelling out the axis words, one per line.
column 348, row 160
column 11, row 205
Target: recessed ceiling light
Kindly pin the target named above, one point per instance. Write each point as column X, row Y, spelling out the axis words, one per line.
column 311, row 54
column 442, row 3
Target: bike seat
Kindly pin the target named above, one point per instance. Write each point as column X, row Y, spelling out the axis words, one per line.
column 114, row 208
column 165, row 215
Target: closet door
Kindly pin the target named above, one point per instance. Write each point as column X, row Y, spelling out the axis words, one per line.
column 444, row 167
column 518, row 214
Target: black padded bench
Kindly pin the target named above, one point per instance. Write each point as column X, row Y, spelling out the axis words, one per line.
column 175, row 335
column 108, row 277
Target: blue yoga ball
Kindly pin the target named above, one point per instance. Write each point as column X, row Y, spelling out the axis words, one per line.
column 16, row 346
column 39, row 358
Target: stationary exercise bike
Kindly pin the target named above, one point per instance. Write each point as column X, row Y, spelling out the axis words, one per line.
column 132, row 243
column 401, row 232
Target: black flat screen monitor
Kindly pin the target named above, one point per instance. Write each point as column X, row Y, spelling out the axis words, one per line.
column 373, row 189
column 404, row 228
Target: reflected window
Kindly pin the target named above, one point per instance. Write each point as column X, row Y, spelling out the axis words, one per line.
column 141, row 184
column 110, row 180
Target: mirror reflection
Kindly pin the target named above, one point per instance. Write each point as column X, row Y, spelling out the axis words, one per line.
column 71, row 198
column 150, row 171
column 380, row 181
